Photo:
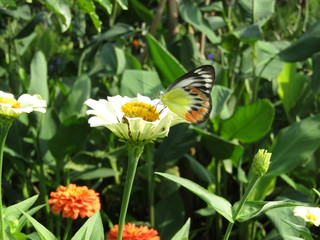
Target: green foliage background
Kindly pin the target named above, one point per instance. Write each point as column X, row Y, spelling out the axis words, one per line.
column 266, row 95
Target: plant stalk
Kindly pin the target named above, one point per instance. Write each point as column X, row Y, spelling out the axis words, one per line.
column 135, row 150
column 4, row 128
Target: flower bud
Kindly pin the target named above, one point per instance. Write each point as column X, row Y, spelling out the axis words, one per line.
column 261, row 163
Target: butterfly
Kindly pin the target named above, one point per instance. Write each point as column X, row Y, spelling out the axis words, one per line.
column 189, row 96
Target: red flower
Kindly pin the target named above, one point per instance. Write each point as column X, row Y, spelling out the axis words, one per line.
column 74, row 201
column 131, row 232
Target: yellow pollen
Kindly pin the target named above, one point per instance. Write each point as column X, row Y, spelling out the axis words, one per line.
column 14, row 103
column 311, row 216
column 139, row 109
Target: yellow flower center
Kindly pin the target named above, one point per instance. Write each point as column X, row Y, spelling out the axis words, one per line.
column 139, row 109
column 311, row 216
column 14, row 103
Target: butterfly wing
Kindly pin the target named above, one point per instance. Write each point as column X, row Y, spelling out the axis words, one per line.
column 189, row 96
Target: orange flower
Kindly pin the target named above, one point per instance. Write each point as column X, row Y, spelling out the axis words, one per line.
column 131, row 232
column 74, row 201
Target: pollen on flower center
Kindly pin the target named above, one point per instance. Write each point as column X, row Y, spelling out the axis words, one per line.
column 140, row 109
column 14, row 103
column 311, row 216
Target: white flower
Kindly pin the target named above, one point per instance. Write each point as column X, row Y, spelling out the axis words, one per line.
column 10, row 107
column 138, row 119
column 309, row 214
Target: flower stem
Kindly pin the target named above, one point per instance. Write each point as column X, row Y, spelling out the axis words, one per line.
column 67, row 230
column 5, row 124
column 253, row 181
column 135, row 150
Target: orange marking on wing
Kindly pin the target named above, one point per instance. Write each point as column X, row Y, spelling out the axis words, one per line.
column 189, row 87
column 190, row 118
column 205, row 104
column 203, row 110
column 203, row 96
column 195, row 90
column 198, row 116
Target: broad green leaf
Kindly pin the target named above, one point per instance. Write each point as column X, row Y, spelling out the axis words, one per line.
column 304, row 47
column 294, row 145
column 258, row 9
column 92, row 229
column 249, row 34
column 169, row 215
column 305, row 232
column 291, row 84
column 44, row 233
column 191, row 13
column 123, row 4
column 175, row 146
column 220, row 96
column 107, row 4
column 142, row 11
column 200, row 171
column 93, row 174
column 69, row 138
column 14, row 210
column 38, row 83
column 183, row 233
column 220, row 148
column 87, row 6
column 220, row 204
column 73, row 105
column 167, row 65
column 62, row 10
column 278, row 216
column 143, row 82
column 29, row 28
column 249, row 123
column 252, row 208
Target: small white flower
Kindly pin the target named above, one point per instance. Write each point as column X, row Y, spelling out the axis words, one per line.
column 309, row 214
column 138, row 119
column 10, row 107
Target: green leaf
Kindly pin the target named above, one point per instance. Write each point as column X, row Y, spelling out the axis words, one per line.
column 123, row 4
column 44, row 233
column 14, row 211
column 92, row 229
column 62, row 10
column 220, row 204
column 183, row 233
column 107, row 4
column 249, row 123
column 29, row 28
column 74, row 106
column 38, row 83
column 278, row 216
column 305, row 232
column 92, row 174
column 252, row 208
column 143, row 82
column 220, row 96
column 222, row 149
column 304, row 47
column 167, row 65
column 142, row 11
column 294, row 145
column 175, row 147
column 191, row 13
column 291, row 84
column 169, row 215
column 200, row 171
column 87, row 6
column 258, row 10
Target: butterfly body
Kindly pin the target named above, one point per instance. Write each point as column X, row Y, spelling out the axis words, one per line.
column 189, row 96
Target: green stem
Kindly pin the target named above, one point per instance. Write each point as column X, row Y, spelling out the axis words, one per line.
column 66, row 232
column 135, row 150
column 149, row 156
column 5, row 125
column 253, row 181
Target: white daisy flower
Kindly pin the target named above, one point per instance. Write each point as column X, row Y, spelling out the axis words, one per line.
column 10, row 107
column 132, row 119
column 309, row 214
